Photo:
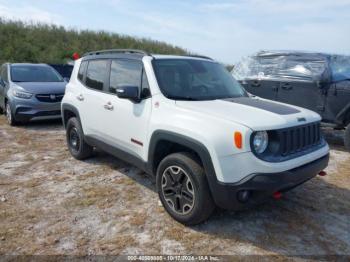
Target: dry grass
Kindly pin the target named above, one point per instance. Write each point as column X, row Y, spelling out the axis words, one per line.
column 58, row 205
column 117, row 244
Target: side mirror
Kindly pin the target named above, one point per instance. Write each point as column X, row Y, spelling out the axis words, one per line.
column 128, row 92
column 2, row 83
column 66, row 79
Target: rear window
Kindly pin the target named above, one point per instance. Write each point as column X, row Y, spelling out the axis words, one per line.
column 96, row 74
column 34, row 73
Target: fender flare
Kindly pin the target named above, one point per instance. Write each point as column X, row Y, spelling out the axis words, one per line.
column 68, row 107
column 195, row 145
column 191, row 143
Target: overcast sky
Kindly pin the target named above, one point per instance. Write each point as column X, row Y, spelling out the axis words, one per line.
column 224, row 30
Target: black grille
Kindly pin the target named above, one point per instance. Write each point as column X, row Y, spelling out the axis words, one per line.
column 300, row 138
column 50, row 98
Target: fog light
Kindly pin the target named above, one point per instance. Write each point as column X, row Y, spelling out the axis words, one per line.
column 243, row 196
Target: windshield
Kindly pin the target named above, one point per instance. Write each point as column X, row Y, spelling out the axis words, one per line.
column 191, row 79
column 340, row 66
column 34, row 74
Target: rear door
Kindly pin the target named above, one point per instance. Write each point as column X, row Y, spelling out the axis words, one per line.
column 337, row 102
column 301, row 93
column 93, row 99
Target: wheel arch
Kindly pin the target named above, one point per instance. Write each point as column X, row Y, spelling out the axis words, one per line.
column 195, row 146
column 69, row 111
column 162, row 140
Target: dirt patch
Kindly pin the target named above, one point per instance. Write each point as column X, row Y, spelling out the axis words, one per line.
column 51, row 203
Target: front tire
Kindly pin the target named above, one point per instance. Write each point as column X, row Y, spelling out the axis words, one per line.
column 183, row 189
column 10, row 117
column 75, row 140
column 347, row 138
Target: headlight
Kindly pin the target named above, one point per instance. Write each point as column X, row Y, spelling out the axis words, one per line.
column 260, row 141
column 21, row 94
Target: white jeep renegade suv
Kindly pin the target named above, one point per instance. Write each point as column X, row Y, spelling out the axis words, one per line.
column 185, row 120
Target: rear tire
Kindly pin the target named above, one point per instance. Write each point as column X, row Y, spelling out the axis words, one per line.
column 183, row 189
column 347, row 138
column 75, row 140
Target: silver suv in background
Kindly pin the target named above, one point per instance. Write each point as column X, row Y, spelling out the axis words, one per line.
column 30, row 92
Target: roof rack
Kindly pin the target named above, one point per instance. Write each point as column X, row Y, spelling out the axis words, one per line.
column 111, row 51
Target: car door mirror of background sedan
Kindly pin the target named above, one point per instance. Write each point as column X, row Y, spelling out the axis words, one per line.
column 128, row 92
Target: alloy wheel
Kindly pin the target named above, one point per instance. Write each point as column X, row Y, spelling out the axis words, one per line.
column 178, row 190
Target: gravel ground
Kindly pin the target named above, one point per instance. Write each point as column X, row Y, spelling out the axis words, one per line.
column 51, row 203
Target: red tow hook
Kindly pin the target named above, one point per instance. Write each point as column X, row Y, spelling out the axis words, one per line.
column 277, row 195
column 322, row 173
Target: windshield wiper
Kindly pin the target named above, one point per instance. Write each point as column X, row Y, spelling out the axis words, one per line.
column 187, row 98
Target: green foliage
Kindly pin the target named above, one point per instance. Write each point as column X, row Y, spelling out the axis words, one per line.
column 42, row 43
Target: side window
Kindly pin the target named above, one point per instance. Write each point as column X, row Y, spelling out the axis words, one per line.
column 145, row 84
column 145, row 92
column 125, row 73
column 82, row 70
column 96, row 74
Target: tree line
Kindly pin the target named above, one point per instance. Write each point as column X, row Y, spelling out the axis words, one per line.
column 43, row 43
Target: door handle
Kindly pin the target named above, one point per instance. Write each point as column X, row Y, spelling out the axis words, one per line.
column 255, row 83
column 287, row 86
column 80, row 97
column 108, row 106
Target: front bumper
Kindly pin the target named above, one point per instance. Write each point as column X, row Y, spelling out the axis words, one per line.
column 262, row 186
column 31, row 110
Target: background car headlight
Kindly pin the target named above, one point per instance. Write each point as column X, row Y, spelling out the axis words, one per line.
column 21, row 94
column 260, row 141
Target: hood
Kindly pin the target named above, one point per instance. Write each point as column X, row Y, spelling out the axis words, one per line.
column 42, row 87
column 255, row 113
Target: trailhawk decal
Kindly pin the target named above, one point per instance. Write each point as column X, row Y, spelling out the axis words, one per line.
column 264, row 105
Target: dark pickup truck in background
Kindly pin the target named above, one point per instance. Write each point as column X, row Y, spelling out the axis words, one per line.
column 316, row 81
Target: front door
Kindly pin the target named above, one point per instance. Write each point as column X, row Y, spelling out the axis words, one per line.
column 128, row 121
column 337, row 102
